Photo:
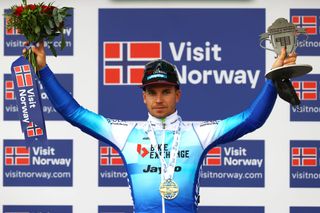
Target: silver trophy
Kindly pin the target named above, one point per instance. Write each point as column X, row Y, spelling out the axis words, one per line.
column 284, row 34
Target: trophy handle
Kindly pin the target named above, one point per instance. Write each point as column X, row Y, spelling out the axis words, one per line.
column 266, row 39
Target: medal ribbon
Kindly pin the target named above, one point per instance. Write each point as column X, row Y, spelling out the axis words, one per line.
column 167, row 169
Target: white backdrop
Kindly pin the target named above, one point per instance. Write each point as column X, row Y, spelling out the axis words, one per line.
column 85, row 195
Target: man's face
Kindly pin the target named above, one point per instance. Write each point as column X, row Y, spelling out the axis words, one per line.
column 161, row 99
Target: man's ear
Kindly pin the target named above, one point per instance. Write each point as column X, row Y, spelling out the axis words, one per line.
column 178, row 95
column 144, row 97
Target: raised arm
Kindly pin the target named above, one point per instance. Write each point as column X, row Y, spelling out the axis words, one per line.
column 104, row 129
column 250, row 119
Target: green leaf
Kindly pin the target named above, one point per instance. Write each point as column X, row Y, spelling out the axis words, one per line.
column 63, row 41
column 51, row 24
column 52, row 49
column 48, row 29
column 37, row 30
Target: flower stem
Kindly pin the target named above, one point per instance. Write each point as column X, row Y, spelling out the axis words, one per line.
column 31, row 57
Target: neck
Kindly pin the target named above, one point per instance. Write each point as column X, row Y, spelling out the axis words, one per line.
column 167, row 122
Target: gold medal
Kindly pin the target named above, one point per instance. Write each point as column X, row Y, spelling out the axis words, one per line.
column 169, row 189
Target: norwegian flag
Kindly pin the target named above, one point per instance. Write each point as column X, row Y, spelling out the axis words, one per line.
column 306, row 90
column 124, row 61
column 109, row 157
column 33, row 130
column 309, row 23
column 304, row 156
column 9, row 90
column 11, row 31
column 23, row 75
column 17, row 156
column 213, row 157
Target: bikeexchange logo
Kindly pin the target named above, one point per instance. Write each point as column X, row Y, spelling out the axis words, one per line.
column 37, row 165
column 238, row 164
column 124, row 63
column 307, row 89
column 305, row 163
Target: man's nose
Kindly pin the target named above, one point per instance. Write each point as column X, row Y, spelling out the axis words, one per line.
column 159, row 98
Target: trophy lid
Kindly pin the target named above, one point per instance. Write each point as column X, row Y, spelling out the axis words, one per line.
column 281, row 25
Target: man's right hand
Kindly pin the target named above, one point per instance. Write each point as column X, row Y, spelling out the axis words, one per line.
column 40, row 54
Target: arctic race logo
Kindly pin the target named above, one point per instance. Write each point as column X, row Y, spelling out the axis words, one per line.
column 238, row 164
column 37, row 165
column 124, row 63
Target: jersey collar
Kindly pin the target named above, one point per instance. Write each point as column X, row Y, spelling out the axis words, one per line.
column 168, row 123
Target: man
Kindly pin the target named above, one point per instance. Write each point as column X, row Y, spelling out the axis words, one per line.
column 167, row 181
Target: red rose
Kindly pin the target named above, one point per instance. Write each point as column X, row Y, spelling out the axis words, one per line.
column 18, row 11
column 32, row 6
column 47, row 9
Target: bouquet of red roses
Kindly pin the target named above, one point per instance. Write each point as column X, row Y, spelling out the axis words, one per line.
column 38, row 22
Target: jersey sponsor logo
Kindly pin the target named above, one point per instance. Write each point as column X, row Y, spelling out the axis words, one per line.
column 10, row 106
column 304, row 209
column 38, row 209
column 304, row 167
column 37, row 165
column 307, row 19
column 156, row 169
column 205, row 63
column 237, row 164
column 142, row 150
column 13, row 40
column 307, row 89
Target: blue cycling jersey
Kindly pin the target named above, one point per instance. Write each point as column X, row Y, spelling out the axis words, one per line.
column 141, row 158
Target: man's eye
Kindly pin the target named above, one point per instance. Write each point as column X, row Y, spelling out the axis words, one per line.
column 151, row 92
column 166, row 92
